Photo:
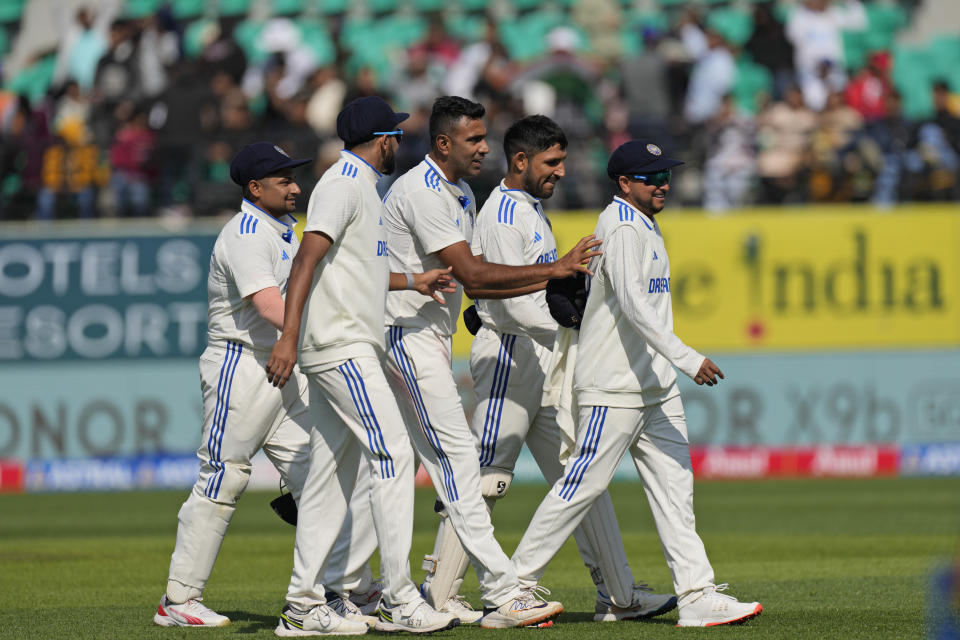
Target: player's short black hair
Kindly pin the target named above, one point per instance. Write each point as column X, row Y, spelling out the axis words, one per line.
column 532, row 135
column 447, row 111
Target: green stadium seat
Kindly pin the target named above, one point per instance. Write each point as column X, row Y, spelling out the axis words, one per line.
column 247, row 36
column 230, row 8
column 474, row 5
column 185, row 9
column 4, row 42
column 34, row 80
column 383, row 6
column 752, row 81
column 11, row 10
column 193, row 36
column 332, row 7
column 286, row 7
column 427, row 6
column 912, row 74
column 139, row 8
column 316, row 36
column 466, row 27
column 734, row 25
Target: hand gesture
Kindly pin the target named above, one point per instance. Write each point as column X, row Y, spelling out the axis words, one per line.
column 708, row 373
column 576, row 259
column 282, row 360
column 434, row 282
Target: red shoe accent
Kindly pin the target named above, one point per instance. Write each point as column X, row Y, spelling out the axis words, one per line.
column 749, row 616
column 193, row 620
column 160, row 611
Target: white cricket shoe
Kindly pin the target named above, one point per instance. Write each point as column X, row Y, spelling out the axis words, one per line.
column 458, row 606
column 369, row 600
column 319, row 621
column 415, row 616
column 713, row 608
column 347, row 609
column 527, row 609
column 188, row 614
column 645, row 604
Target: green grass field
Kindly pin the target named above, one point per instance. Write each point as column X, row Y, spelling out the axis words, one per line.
column 827, row 558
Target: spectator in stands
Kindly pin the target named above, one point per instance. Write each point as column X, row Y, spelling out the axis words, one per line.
column 116, row 79
column 834, row 147
column 713, row 73
column 131, row 156
column 783, row 136
column 646, row 89
column 601, row 21
column 895, row 137
column 71, row 167
column 437, row 45
column 868, row 90
column 815, row 28
column 769, row 47
column 730, row 167
column 938, row 146
column 83, row 40
column 327, row 92
column 414, row 87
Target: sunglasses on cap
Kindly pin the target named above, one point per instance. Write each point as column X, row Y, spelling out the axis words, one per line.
column 398, row 134
column 657, row 179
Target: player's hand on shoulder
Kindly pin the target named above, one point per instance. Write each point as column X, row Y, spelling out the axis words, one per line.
column 283, row 359
column 708, row 373
column 434, row 282
column 576, row 259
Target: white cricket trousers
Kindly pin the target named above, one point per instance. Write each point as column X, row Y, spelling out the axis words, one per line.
column 508, row 373
column 419, row 370
column 656, row 437
column 242, row 413
column 355, row 419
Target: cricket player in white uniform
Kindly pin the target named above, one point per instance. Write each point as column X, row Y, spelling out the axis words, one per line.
column 429, row 215
column 626, row 389
column 510, row 358
column 341, row 276
column 242, row 412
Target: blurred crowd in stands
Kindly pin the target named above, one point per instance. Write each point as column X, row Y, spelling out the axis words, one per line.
column 139, row 105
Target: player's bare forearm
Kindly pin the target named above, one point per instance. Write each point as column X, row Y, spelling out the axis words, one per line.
column 269, row 304
column 430, row 283
column 500, row 294
column 476, row 275
column 283, row 357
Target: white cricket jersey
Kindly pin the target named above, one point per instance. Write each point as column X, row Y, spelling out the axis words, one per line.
column 512, row 229
column 425, row 213
column 627, row 344
column 253, row 252
column 344, row 312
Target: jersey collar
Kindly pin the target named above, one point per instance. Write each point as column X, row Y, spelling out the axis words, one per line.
column 639, row 215
column 283, row 226
column 454, row 187
column 370, row 172
column 519, row 194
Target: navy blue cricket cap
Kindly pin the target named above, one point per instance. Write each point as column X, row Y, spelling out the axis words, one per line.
column 259, row 160
column 638, row 157
column 365, row 118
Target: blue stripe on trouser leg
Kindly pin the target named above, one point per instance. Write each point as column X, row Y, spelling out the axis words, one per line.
column 410, row 381
column 215, row 440
column 491, row 422
column 368, row 418
column 223, row 424
column 588, row 452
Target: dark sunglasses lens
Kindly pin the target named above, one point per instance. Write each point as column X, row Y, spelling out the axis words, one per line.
column 659, row 179
column 399, row 137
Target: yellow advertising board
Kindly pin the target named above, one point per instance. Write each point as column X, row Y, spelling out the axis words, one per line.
column 810, row 278
column 806, row 278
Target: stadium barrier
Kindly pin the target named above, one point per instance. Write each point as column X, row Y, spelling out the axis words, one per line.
column 835, row 327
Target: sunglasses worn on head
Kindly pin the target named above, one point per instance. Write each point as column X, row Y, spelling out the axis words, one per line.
column 657, row 179
column 398, row 134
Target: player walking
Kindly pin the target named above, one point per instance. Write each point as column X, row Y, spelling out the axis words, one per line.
column 341, row 275
column 626, row 389
column 429, row 215
column 510, row 359
column 242, row 412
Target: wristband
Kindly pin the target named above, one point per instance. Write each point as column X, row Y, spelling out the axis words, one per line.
column 409, row 280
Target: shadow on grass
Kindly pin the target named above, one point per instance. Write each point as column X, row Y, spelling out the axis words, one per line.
column 568, row 617
column 250, row 622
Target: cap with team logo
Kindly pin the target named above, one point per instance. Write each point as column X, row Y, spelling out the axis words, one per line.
column 365, row 118
column 638, row 157
column 259, row 160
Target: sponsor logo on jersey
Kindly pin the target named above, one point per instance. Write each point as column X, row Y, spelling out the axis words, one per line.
column 549, row 256
column 659, row 285
column 381, row 247
column 284, row 255
column 537, row 237
column 655, row 256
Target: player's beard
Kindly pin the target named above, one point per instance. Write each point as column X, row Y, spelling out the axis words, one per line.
column 390, row 162
column 536, row 190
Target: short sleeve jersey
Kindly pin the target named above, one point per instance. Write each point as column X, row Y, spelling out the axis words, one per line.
column 344, row 311
column 425, row 213
column 512, row 229
column 253, row 252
